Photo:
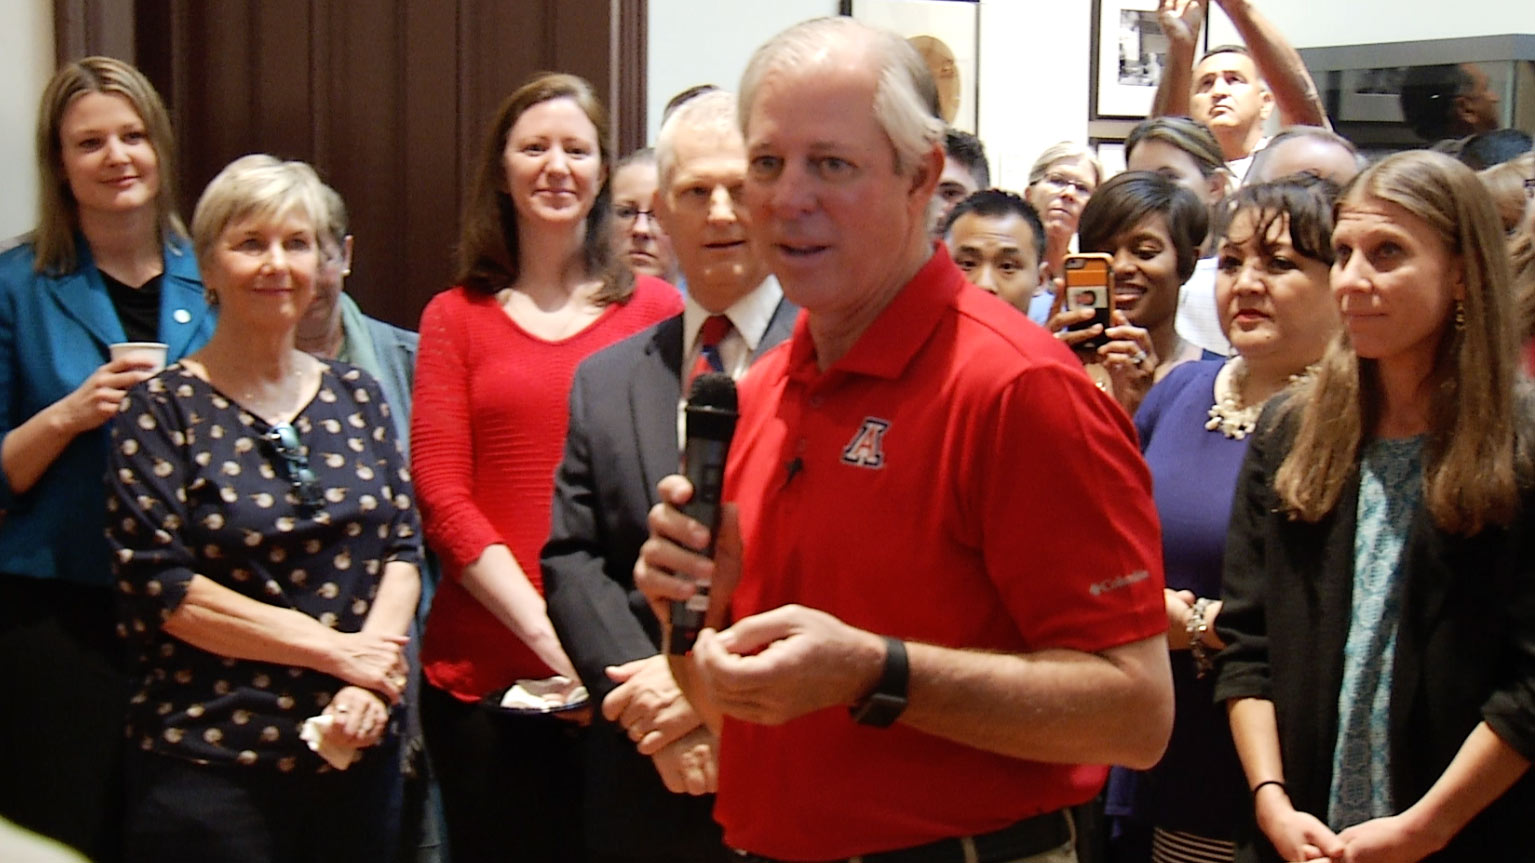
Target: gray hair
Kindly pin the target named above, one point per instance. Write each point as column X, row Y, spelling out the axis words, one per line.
column 260, row 187
column 904, row 99
column 1061, row 152
column 707, row 114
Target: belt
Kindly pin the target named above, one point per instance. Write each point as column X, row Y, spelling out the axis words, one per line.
column 1024, row 839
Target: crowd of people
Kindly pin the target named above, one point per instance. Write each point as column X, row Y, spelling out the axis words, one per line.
column 1237, row 571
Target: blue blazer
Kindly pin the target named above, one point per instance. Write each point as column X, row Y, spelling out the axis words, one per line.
column 54, row 332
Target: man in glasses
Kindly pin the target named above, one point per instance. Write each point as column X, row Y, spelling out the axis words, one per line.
column 623, row 437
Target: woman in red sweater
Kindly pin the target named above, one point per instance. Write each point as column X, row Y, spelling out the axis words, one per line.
column 538, row 292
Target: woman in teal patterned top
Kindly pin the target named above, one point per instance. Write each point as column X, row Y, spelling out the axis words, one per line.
column 1379, row 605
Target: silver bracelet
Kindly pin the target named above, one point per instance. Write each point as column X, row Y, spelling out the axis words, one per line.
column 1197, row 626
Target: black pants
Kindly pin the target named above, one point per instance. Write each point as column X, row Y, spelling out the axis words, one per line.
column 511, row 786
column 182, row 812
column 61, row 728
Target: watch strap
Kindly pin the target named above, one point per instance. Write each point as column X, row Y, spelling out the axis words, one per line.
column 881, row 707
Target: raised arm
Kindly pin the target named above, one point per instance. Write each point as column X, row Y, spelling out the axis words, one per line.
column 1279, row 64
column 1181, row 21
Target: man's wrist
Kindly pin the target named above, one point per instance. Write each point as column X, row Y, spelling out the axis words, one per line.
column 886, row 698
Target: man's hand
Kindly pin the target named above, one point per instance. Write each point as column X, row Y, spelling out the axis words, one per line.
column 648, row 704
column 690, row 765
column 1181, row 20
column 670, row 564
column 773, row 667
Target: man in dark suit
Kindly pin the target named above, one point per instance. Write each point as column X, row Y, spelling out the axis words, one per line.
column 650, row 760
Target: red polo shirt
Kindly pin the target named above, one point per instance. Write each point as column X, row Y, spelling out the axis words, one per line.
column 957, row 480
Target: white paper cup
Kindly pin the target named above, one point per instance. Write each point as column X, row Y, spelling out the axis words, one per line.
column 150, row 352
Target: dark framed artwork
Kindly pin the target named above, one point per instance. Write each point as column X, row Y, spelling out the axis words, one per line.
column 947, row 35
column 1128, row 54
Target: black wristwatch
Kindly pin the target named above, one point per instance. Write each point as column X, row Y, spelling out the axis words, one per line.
column 884, row 705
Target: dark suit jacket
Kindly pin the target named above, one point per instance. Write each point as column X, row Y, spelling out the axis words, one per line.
column 622, row 440
column 1465, row 648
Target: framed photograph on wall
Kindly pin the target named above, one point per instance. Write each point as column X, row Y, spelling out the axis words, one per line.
column 1129, row 51
column 947, row 35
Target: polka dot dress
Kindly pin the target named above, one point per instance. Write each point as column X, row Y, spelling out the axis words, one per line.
column 199, row 486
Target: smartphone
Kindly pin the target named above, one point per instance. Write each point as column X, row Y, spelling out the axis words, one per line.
column 1090, row 285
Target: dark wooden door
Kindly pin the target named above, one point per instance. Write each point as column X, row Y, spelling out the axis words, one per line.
column 387, row 98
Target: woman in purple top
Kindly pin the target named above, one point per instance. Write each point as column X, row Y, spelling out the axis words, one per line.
column 1275, row 307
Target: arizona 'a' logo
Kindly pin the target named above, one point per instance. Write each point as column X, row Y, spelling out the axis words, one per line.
column 867, row 448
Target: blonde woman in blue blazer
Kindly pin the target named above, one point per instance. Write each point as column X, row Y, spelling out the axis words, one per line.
column 109, row 262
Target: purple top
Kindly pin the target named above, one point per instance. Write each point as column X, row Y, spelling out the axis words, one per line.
column 1198, row 786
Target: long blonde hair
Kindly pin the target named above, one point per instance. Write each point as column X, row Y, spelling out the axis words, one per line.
column 1471, row 473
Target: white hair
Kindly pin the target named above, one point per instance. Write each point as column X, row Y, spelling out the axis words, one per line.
column 257, row 186
column 905, row 99
column 710, row 114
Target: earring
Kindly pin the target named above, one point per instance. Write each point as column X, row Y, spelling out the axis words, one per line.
column 1460, row 315
column 210, row 297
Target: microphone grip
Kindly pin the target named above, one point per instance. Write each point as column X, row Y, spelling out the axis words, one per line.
column 703, row 463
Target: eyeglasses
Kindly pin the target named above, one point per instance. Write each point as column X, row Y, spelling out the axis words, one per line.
column 283, row 439
column 629, row 214
column 1061, row 182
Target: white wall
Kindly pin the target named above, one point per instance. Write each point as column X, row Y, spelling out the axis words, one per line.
column 26, row 63
column 1034, row 70
column 1317, row 23
column 709, row 42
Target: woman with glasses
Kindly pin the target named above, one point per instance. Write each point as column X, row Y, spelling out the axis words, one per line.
column 1060, row 183
column 638, row 239
column 109, row 262
column 539, row 291
column 266, row 551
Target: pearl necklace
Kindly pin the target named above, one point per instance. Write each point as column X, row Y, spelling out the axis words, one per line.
column 1229, row 415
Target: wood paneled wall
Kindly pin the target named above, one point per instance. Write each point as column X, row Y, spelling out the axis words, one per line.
column 387, row 98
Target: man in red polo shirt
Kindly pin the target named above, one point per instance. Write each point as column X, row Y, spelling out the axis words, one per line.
column 947, row 592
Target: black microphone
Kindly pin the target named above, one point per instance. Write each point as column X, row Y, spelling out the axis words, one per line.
column 711, row 422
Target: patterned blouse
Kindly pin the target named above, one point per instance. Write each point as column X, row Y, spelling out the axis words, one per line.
column 199, row 486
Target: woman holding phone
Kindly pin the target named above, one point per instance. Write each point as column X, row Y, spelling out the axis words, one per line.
column 1151, row 229
column 1378, row 607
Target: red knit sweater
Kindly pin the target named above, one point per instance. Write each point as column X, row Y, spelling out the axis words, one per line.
column 487, row 431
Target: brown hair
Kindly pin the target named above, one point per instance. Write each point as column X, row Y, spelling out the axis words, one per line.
column 1470, row 472
column 58, row 212
column 488, row 245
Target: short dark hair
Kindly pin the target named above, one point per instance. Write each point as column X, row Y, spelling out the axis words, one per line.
column 967, row 149
column 676, row 101
column 1306, row 202
column 1485, row 149
column 994, row 203
column 1232, row 48
column 1127, row 199
column 1428, row 99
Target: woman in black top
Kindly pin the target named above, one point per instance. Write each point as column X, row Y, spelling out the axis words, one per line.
column 266, row 548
